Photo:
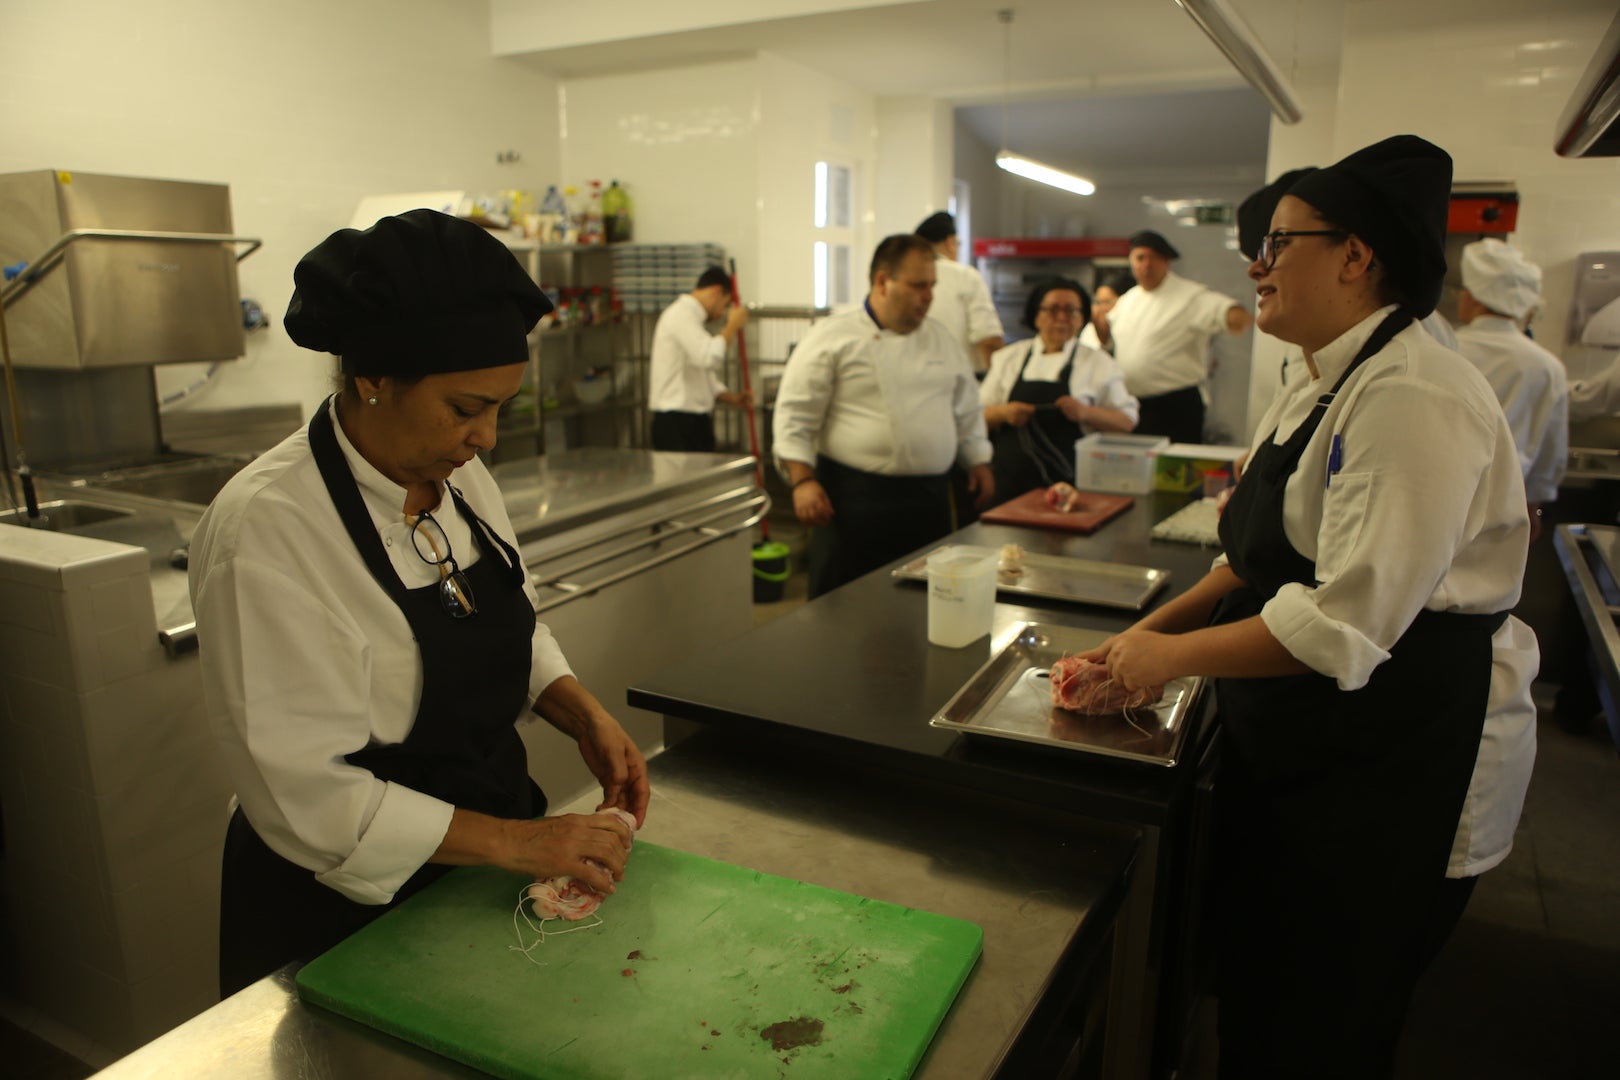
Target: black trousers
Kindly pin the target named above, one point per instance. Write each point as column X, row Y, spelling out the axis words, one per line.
column 683, row 431
column 1178, row 414
column 876, row 519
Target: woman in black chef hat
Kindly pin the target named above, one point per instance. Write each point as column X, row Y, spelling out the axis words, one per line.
column 1373, row 691
column 369, row 637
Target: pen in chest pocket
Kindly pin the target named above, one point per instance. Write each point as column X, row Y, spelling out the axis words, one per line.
column 1335, row 459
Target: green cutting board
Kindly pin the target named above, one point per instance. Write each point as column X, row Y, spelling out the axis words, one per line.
column 700, row 969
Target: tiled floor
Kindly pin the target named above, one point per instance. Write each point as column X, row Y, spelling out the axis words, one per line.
column 1528, row 988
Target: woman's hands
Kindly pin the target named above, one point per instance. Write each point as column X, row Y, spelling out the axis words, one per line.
column 610, row 753
column 591, row 848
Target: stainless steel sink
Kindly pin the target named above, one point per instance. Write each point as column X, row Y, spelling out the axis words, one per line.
column 63, row 516
column 195, row 483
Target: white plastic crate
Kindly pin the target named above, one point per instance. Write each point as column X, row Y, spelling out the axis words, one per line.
column 1120, row 463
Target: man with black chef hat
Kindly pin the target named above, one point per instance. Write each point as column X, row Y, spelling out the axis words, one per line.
column 876, row 404
column 1373, row 689
column 683, row 374
column 961, row 297
column 368, row 628
column 1162, row 331
column 1500, row 289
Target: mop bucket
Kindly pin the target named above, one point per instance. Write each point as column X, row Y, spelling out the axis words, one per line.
column 770, row 571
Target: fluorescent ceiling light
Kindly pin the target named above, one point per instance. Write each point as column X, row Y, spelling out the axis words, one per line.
column 1045, row 174
column 1233, row 37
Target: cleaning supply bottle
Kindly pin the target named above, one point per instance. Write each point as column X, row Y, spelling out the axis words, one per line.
column 616, row 213
column 553, row 216
column 590, row 231
column 575, row 218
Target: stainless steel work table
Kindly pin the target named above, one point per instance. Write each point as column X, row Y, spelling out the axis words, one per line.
column 1044, row 886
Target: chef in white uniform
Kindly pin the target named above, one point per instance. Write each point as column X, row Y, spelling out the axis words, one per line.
column 1500, row 289
column 1162, row 332
column 875, row 405
column 1096, row 334
column 962, row 301
column 683, row 374
column 1044, row 393
column 1373, row 692
column 368, row 633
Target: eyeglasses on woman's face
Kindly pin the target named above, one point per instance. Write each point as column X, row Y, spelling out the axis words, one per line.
column 1272, row 244
column 1059, row 311
column 433, row 546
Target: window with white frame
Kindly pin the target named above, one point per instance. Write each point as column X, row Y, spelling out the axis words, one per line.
column 834, row 216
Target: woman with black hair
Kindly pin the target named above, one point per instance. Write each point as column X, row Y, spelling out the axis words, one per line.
column 1096, row 334
column 1044, row 393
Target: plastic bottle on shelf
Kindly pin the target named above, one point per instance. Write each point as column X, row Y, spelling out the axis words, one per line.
column 616, row 213
column 553, row 216
column 590, row 231
column 573, row 217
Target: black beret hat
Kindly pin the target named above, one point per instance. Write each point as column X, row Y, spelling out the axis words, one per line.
column 1032, row 306
column 1149, row 239
column 1254, row 213
column 714, row 275
column 1395, row 195
column 937, row 228
column 417, row 294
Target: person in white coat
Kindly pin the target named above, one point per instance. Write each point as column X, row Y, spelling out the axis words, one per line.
column 1162, row 331
column 1373, row 691
column 1500, row 289
column 683, row 373
column 962, row 301
column 1044, row 393
column 1096, row 334
column 875, row 406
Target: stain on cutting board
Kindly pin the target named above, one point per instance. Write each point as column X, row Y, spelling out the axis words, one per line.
column 700, row 969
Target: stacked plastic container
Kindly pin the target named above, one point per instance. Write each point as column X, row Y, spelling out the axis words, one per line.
column 649, row 277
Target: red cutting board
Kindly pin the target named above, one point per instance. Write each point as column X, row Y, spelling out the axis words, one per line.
column 1030, row 509
column 700, row 969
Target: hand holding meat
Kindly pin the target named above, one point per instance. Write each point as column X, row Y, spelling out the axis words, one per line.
column 1143, row 658
column 618, row 765
column 591, row 848
column 1086, row 687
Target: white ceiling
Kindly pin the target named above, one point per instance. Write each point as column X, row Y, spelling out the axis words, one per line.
column 1106, row 88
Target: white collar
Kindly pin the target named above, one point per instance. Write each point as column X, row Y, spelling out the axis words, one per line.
column 1335, row 356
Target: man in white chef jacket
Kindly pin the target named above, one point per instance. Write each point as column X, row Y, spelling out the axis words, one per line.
column 961, row 298
column 875, row 405
column 1500, row 288
column 1162, row 332
column 684, row 371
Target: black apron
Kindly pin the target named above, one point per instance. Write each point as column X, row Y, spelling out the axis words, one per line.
column 1177, row 414
column 876, row 519
column 1336, row 810
column 1041, row 453
column 463, row 746
column 683, row 431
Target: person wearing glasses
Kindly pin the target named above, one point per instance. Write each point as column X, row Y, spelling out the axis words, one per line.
column 1096, row 334
column 1372, row 689
column 369, row 642
column 1162, row 331
column 1042, row 394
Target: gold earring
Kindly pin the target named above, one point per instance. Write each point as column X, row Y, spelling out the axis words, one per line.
column 371, row 401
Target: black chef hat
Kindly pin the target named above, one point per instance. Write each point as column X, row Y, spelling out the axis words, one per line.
column 1149, row 239
column 714, row 275
column 417, row 294
column 1394, row 195
column 1254, row 213
column 937, row 228
column 1032, row 306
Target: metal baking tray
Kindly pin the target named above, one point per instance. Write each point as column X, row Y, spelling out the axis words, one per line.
column 1059, row 577
column 1010, row 698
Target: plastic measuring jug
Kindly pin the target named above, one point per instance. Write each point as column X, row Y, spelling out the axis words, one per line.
column 961, row 596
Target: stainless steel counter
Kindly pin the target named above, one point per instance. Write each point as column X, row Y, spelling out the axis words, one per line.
column 1590, row 557
column 1044, row 886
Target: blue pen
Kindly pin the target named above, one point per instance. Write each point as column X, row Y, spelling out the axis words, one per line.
column 1335, row 459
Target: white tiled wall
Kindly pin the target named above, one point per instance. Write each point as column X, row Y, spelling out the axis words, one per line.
column 301, row 106
column 915, row 143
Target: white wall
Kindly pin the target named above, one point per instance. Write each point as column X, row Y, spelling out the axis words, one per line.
column 975, row 163
column 301, row 107
column 683, row 142
column 1486, row 80
column 915, row 163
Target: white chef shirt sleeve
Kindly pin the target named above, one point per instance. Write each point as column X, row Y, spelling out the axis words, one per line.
column 996, row 389
column 801, row 401
column 983, row 322
column 1209, row 310
column 698, row 347
column 1551, row 454
column 1098, row 380
column 289, row 690
column 1392, row 521
column 972, row 435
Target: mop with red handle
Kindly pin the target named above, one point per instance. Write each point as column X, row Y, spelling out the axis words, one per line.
column 747, row 385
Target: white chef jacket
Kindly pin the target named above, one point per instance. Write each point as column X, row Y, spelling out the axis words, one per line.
column 1161, row 337
column 306, row 659
column 1598, row 395
column 962, row 305
column 1095, row 379
column 683, row 374
column 1090, row 339
column 1426, row 511
column 878, row 401
column 1529, row 382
